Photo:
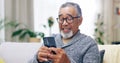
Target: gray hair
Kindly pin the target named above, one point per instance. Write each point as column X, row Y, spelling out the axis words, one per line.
column 75, row 5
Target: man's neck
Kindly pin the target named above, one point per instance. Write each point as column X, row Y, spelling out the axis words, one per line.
column 65, row 41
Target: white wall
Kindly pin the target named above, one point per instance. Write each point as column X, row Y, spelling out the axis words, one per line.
column 46, row 8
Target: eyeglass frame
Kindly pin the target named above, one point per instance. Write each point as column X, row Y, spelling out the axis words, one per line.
column 66, row 19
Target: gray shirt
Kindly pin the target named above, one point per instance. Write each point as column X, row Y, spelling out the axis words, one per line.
column 80, row 49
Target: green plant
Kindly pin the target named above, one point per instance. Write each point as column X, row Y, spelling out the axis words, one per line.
column 1, row 24
column 20, row 32
column 23, row 32
column 99, row 31
column 8, row 23
column 50, row 24
column 50, row 21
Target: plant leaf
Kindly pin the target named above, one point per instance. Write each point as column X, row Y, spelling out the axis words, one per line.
column 18, row 32
column 22, row 35
column 31, row 33
column 41, row 34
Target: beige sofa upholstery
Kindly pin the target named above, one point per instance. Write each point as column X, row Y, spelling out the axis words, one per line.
column 112, row 53
column 23, row 52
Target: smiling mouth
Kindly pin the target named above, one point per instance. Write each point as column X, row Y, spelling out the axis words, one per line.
column 66, row 30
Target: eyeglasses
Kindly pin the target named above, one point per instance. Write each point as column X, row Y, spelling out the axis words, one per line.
column 69, row 19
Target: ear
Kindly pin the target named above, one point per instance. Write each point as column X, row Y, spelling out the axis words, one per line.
column 80, row 20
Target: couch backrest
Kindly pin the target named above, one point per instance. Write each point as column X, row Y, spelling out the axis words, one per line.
column 12, row 52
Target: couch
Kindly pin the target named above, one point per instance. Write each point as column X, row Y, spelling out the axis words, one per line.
column 11, row 52
column 112, row 53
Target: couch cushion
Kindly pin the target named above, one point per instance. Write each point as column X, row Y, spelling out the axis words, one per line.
column 12, row 52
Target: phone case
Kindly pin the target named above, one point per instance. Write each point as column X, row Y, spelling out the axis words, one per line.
column 49, row 41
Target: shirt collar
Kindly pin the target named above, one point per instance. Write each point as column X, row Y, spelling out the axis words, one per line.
column 74, row 39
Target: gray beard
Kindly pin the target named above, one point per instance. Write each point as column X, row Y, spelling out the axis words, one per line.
column 67, row 35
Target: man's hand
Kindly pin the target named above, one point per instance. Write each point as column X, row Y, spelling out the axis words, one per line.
column 59, row 56
column 42, row 54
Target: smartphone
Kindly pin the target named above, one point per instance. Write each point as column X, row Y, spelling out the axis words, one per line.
column 49, row 42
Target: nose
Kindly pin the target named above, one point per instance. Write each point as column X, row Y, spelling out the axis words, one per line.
column 65, row 22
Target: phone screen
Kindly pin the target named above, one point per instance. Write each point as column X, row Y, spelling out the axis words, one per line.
column 49, row 41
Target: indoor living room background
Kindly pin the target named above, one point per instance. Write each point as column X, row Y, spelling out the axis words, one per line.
column 101, row 21
column 34, row 13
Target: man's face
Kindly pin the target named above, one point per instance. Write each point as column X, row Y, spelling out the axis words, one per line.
column 69, row 25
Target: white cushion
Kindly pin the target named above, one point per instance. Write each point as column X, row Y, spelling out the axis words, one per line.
column 12, row 52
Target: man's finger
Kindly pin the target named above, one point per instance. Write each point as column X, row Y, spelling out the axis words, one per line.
column 42, row 59
column 56, row 50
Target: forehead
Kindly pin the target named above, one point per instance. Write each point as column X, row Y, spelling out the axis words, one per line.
column 67, row 11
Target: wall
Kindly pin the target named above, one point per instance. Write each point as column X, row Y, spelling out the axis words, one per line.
column 43, row 11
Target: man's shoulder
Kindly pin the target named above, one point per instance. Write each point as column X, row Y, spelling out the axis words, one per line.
column 82, row 36
column 87, row 39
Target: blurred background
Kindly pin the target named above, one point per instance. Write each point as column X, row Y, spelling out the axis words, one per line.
column 22, row 19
